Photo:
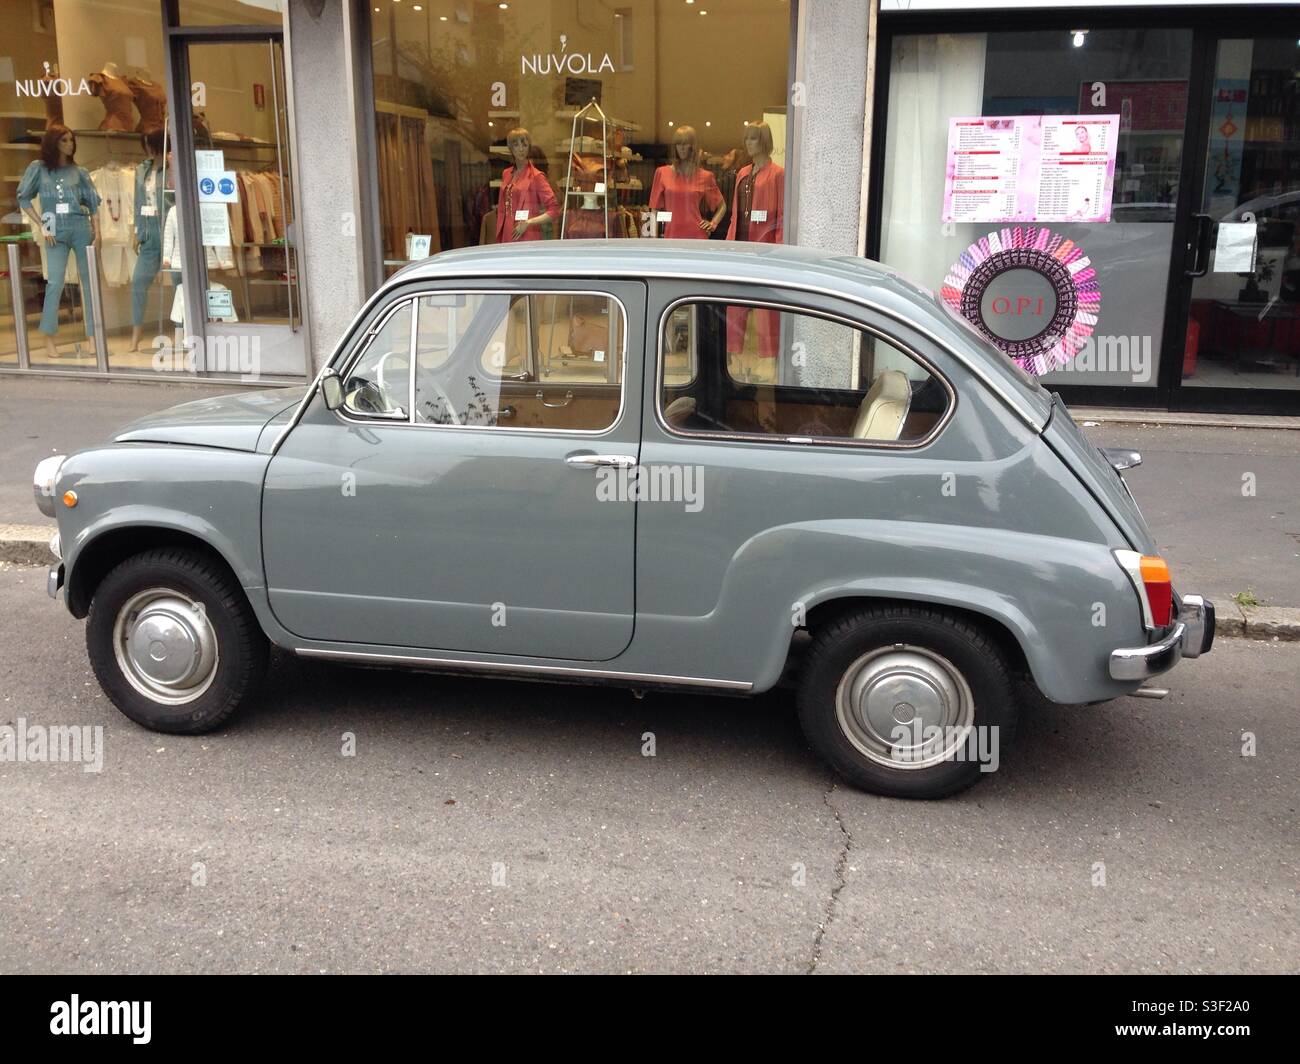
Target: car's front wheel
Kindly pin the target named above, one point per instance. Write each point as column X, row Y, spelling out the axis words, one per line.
column 173, row 640
column 905, row 701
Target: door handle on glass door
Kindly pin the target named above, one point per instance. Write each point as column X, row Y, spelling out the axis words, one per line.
column 593, row 461
column 1199, row 245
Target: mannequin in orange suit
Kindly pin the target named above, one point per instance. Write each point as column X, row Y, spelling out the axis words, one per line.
column 758, row 215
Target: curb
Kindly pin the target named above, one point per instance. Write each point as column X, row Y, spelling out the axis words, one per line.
column 30, row 545
column 1110, row 415
column 26, row 544
column 1280, row 623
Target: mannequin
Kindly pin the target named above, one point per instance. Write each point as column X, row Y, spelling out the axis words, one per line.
column 758, row 215
column 148, row 228
column 526, row 202
column 69, row 221
column 681, row 187
column 150, row 101
column 53, row 103
column 115, row 93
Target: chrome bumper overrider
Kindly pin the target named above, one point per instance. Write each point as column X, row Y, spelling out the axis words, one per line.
column 1191, row 636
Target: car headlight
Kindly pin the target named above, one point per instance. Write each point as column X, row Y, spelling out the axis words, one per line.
column 43, row 480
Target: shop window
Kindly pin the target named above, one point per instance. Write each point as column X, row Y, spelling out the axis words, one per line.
column 513, row 360
column 541, row 121
column 852, row 385
column 1083, row 101
column 231, row 12
column 98, row 71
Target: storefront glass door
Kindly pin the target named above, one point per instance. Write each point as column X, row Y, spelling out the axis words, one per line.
column 242, row 171
column 1243, row 331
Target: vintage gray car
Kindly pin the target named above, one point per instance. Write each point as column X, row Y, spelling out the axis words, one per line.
column 669, row 466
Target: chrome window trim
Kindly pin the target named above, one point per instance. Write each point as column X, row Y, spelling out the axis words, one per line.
column 410, row 422
column 801, row 441
column 478, row 665
column 644, row 276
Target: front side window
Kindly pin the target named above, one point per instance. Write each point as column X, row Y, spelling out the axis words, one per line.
column 379, row 384
column 746, row 369
column 519, row 360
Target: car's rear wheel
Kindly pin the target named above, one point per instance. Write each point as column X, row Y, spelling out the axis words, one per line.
column 174, row 642
column 907, row 701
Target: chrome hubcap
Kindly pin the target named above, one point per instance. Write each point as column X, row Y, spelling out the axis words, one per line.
column 165, row 646
column 904, row 706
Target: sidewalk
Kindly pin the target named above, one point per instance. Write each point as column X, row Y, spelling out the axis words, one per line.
column 1193, row 486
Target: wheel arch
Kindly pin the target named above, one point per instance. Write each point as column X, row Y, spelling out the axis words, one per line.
column 829, row 610
column 99, row 555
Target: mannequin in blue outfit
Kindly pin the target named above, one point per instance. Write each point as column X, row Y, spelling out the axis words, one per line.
column 69, row 221
column 149, row 207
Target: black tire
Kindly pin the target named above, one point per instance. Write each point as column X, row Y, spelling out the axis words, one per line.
column 241, row 647
column 944, row 641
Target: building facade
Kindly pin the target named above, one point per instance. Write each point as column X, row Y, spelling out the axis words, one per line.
column 1112, row 194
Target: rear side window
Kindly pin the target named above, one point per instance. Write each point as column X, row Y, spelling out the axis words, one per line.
column 746, row 369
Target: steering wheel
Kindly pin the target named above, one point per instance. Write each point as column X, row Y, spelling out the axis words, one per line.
column 366, row 397
column 429, row 383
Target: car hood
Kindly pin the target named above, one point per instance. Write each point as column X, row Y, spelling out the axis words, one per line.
column 233, row 422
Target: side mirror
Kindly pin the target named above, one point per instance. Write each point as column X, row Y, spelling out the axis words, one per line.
column 331, row 390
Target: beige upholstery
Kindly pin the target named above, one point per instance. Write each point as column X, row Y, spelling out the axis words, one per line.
column 679, row 409
column 884, row 407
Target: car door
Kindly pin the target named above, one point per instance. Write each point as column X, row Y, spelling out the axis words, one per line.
column 467, row 506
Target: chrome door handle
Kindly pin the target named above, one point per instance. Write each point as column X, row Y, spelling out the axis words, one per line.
column 541, row 397
column 592, row 461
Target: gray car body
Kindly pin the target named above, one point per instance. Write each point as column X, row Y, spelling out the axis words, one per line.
column 1007, row 513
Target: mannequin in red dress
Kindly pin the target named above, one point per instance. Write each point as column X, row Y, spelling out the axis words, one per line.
column 526, row 200
column 757, row 214
column 681, row 187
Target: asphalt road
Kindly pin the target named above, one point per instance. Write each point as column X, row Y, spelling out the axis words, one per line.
column 607, row 860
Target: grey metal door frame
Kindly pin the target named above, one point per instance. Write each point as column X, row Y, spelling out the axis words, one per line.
column 179, row 39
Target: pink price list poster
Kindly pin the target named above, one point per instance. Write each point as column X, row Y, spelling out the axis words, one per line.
column 1030, row 168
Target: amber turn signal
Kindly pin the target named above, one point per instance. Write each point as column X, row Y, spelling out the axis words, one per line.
column 1160, row 589
column 69, row 499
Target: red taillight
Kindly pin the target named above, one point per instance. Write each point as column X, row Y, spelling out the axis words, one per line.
column 1160, row 590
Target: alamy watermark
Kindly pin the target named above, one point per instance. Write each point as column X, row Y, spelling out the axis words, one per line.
column 915, row 742
column 1114, row 354
column 656, row 482
column 58, row 743
column 209, row 354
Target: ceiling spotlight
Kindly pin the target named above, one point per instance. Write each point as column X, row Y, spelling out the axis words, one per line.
column 1079, row 37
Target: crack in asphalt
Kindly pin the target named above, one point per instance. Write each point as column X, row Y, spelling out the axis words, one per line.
column 841, row 878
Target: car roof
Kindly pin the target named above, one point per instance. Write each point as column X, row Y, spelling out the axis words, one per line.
column 850, row 277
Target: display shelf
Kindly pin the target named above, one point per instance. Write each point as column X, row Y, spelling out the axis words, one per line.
column 569, row 116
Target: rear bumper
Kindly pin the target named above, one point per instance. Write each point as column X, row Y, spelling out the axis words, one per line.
column 1191, row 636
